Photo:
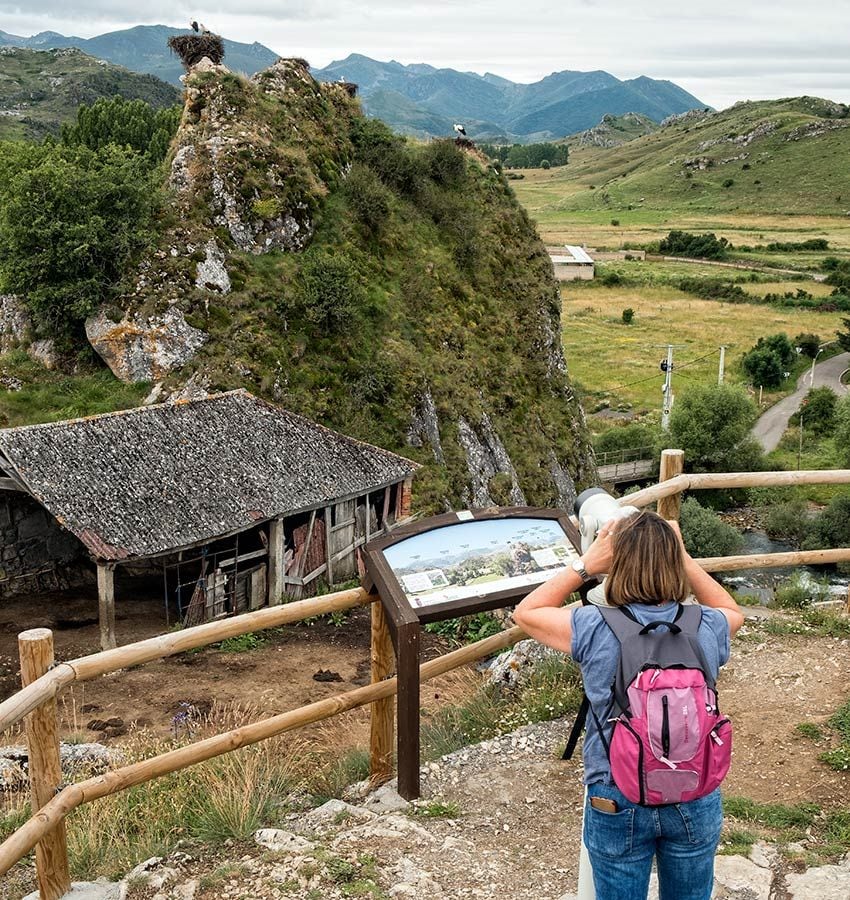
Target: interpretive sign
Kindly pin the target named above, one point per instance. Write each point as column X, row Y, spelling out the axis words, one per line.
column 453, row 565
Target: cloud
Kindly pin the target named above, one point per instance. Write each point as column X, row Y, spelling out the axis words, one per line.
column 722, row 51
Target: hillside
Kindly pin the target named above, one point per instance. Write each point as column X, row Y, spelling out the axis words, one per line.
column 395, row 292
column 41, row 89
column 144, row 49
column 774, row 157
column 494, row 108
column 613, row 131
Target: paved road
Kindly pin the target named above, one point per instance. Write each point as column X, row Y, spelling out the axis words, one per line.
column 770, row 427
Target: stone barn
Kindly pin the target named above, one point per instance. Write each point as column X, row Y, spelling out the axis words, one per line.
column 236, row 502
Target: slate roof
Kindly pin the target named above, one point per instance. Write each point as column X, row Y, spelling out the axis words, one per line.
column 144, row 481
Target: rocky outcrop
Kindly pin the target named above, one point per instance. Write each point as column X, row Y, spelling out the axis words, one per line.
column 425, row 427
column 140, row 349
column 211, row 273
column 486, row 459
column 15, row 322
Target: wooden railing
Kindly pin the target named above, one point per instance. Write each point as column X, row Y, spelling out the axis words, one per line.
column 43, row 680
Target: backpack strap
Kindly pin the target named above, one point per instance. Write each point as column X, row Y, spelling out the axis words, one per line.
column 578, row 727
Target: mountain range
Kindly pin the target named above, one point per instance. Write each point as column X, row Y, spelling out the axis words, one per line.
column 423, row 100
column 417, row 99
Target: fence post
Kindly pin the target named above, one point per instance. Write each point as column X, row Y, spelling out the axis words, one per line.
column 381, row 737
column 672, row 464
column 51, row 854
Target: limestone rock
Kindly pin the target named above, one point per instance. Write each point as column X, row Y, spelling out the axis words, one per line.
column 181, row 178
column 425, row 427
column 513, row 667
column 336, row 811
column 820, row 883
column 44, row 351
column 737, row 878
column 282, row 841
column 139, row 349
column 486, row 457
column 88, row 758
column 86, row 890
column 385, row 799
column 15, row 322
column 212, row 274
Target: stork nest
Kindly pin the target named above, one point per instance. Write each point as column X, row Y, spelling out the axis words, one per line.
column 192, row 48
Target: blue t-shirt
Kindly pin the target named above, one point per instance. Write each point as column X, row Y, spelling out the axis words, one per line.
column 597, row 651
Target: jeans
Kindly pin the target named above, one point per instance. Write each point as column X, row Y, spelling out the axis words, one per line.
column 683, row 837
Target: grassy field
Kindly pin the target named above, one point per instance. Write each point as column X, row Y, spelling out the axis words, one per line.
column 620, row 363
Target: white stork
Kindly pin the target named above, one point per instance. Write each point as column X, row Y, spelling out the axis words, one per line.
column 459, row 129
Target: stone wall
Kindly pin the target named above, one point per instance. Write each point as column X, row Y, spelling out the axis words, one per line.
column 34, row 544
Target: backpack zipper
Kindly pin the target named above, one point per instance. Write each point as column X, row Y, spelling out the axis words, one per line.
column 665, row 727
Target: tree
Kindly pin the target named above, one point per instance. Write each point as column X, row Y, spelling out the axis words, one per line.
column 127, row 123
column 844, row 336
column 712, row 423
column 809, row 344
column 71, row 220
column 818, row 411
column 841, row 431
column 702, row 246
column 763, row 366
column 705, row 534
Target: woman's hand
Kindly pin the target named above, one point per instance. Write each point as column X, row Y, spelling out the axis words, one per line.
column 597, row 558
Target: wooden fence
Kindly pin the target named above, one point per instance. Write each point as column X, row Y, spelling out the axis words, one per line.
column 36, row 702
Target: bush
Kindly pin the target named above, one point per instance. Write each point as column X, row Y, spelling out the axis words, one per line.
column 367, row 197
column 809, row 344
column 817, row 411
column 711, row 423
column 800, row 591
column 615, row 222
column 545, row 164
column 71, row 222
column 705, row 534
column 763, row 367
column 444, row 163
column 831, row 529
column 330, row 289
column 625, row 437
column 702, row 246
column 714, row 289
column 787, row 521
column 628, row 315
column 841, row 429
column 728, row 182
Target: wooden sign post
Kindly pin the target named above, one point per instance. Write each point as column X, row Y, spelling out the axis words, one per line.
column 451, row 565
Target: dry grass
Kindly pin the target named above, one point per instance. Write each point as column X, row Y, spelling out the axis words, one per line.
column 607, row 358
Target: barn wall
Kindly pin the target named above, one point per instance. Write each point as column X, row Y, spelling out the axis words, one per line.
column 32, row 541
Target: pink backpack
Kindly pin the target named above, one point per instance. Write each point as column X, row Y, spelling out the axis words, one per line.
column 669, row 743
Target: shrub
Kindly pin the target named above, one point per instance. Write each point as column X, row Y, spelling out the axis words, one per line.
column 625, row 437
column 702, row 246
column 71, row 222
column 841, row 429
column 831, row 529
column 444, row 163
column 711, row 423
column 787, row 521
column 817, row 411
column 615, row 222
column 808, row 343
column 628, row 315
column 545, row 164
column 714, row 289
column 330, row 289
column 611, row 279
column 367, row 197
column 728, row 182
column 704, row 533
column 763, row 367
column 800, row 591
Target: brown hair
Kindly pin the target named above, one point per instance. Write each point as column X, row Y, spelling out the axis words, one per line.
column 647, row 564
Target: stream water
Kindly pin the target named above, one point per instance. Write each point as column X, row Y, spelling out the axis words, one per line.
column 762, row 582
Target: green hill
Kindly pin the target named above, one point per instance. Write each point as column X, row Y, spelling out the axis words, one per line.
column 41, row 89
column 613, row 131
column 774, row 157
column 394, row 291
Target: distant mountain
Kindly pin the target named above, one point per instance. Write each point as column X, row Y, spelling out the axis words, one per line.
column 421, row 99
column 41, row 89
column 145, row 49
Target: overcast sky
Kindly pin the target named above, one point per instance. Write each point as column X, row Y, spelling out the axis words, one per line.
column 721, row 51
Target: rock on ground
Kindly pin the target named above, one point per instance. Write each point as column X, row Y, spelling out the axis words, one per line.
column 87, row 890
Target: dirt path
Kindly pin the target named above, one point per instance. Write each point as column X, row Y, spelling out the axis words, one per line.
column 771, row 425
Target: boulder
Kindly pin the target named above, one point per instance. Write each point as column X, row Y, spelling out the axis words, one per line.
column 211, row 273
column 87, row 890
column 282, row 841
column 512, row 668
column 144, row 349
column 15, row 322
column 822, row 882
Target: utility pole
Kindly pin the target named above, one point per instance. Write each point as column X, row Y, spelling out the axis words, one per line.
column 722, row 369
column 667, row 368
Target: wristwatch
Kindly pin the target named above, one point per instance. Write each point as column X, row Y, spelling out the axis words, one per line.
column 578, row 566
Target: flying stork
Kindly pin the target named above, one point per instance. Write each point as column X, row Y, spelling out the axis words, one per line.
column 459, row 129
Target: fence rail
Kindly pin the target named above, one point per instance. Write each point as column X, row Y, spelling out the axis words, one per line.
column 36, row 701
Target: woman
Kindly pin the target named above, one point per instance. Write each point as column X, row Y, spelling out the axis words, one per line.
column 650, row 572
